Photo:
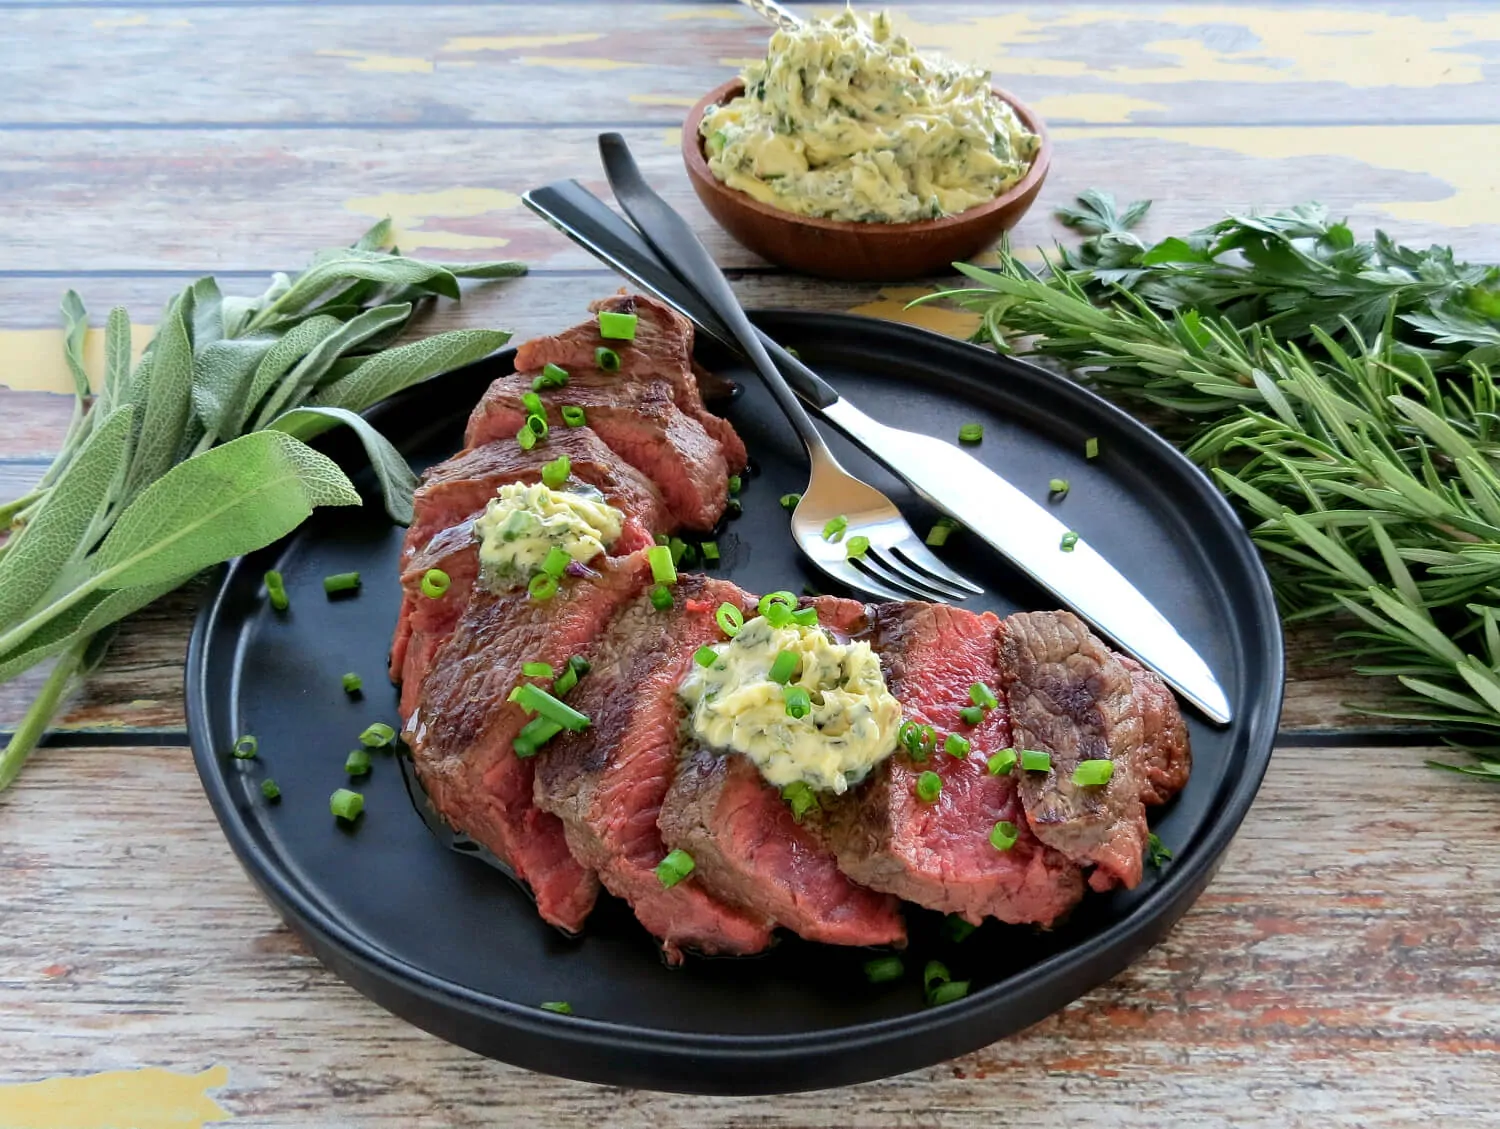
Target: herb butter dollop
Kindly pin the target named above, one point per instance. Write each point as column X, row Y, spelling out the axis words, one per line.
column 850, row 728
column 846, row 121
column 526, row 520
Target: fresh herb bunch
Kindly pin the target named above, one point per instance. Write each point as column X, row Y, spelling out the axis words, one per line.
column 197, row 454
column 1340, row 391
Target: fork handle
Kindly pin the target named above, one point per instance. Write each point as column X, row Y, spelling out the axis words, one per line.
column 681, row 250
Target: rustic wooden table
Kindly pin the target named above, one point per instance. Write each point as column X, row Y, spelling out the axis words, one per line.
column 1340, row 971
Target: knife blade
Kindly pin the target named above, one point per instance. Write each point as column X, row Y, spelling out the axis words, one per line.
column 1017, row 527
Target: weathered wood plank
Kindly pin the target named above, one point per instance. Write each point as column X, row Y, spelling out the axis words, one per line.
column 1338, row 973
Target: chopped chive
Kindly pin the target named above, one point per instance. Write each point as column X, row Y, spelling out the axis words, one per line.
column 1003, row 835
column 805, row 617
column 341, row 582
column 534, row 734
column 929, row 784
column 798, row 701
column 1033, row 760
column 971, row 433
column 733, row 508
column 834, row 527
column 555, row 473
column 580, row 665
column 556, row 562
column 617, row 327
column 710, row 550
column 557, row 1007
column 982, row 695
column 1091, row 448
column 663, row 571
column 947, row 993
column 705, row 656
column 971, row 715
column 736, row 484
column 270, row 789
column 783, row 666
column 526, row 437
column 1058, row 488
column 357, row 763
column 1158, row 851
column 542, row 587
column 958, row 928
column 1002, row 762
column 435, row 583
column 937, row 536
column 883, row 969
column 573, row 415
column 606, row 359
column 246, row 747
column 346, row 804
column 730, row 619
column 1069, row 539
column 662, row 539
column 661, row 597
column 793, row 353
column 1093, row 773
column 679, row 549
column 783, row 599
column 353, row 683
column 565, row 681
column 533, row 699
column 918, row 740
column 935, row 972
column 276, row 591
column 377, row 735
column 537, row 670
column 674, row 868
column 800, row 798
column 538, row 425
column 857, row 546
column 552, row 376
column 956, row 746
column 789, row 501
column 533, row 404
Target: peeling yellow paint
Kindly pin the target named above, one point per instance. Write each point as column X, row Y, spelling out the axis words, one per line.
column 31, row 360
column 892, row 306
column 137, row 19
column 741, row 64
column 726, row 12
column 119, row 1099
column 517, row 42
column 661, row 100
column 1094, row 107
column 580, row 63
column 399, row 64
column 411, row 213
column 672, row 137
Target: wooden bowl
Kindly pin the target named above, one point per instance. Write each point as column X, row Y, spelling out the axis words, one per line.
column 865, row 251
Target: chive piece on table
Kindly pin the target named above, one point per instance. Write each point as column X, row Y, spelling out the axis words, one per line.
column 971, row 715
column 573, row 415
column 245, row 747
column 733, row 508
column 357, row 763
column 735, row 484
column 1093, row 773
column 674, row 868
column 856, row 547
column 783, row 666
column 883, row 969
column 663, row 571
column 341, row 582
column 935, row 972
column 798, row 701
column 542, row 587
column 1091, row 448
column 1003, row 835
column 834, row 527
column 606, row 359
column 270, row 789
column 957, row 928
column 555, row 473
column 929, row 784
column 1069, row 539
column 276, row 591
column 947, row 993
column 730, row 619
column 1157, row 852
column 971, row 433
column 537, row 670
column 937, row 536
column 346, row 805
column 1033, row 760
column 800, row 798
column 705, row 656
column 617, row 327
column 1002, row 762
column 557, row 1007
column 377, row 735
column 435, row 583
column 1058, row 488
column 789, row 501
column 982, row 695
column 353, row 683
column 661, row 597
column 710, row 550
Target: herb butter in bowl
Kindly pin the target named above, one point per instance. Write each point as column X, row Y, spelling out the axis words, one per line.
column 847, row 154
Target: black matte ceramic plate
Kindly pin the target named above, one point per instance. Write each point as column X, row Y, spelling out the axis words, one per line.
column 451, row 944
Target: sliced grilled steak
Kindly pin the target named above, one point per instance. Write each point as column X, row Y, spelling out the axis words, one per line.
column 663, row 347
column 1072, row 697
column 607, row 782
column 939, row 854
column 461, row 733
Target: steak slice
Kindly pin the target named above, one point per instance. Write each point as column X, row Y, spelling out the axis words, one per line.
column 1074, row 698
column 607, row 782
column 939, row 854
column 752, row 852
column 460, row 735
column 663, row 347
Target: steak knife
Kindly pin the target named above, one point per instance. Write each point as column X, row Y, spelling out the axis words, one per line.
column 1017, row 527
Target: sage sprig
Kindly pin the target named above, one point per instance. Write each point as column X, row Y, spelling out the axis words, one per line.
column 198, row 452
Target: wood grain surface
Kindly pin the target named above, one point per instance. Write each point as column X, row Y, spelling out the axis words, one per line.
column 1339, row 970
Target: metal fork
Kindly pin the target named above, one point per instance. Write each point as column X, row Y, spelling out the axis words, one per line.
column 895, row 565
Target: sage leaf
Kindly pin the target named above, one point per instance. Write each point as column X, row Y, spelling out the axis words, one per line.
column 230, row 500
column 95, row 612
column 390, row 371
column 397, row 480
column 76, row 328
column 208, row 321
column 278, row 361
column 222, row 372
column 168, row 397
column 378, row 238
column 115, row 389
column 317, row 280
column 503, row 268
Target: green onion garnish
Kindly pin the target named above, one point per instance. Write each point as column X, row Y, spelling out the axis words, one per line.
column 1069, row 539
column 662, row 539
column 276, row 591
column 526, row 437
column 552, row 376
column 783, row 666
column 793, row 353
column 834, row 528
column 929, row 784
column 956, row 746
column 789, row 501
column 377, row 735
column 555, row 473
column 661, row 597
column 1058, row 488
column 534, row 734
column 805, row 617
column 858, row 546
column 733, row 509
column 957, row 928
column 573, row 415
column 357, row 763
column 982, row 695
column 705, row 656
column 679, row 549
column 735, row 484
column 435, row 583
column 538, row 425
column 346, row 804
column 1091, row 774
column 971, row 433
column 1157, row 851
column 1033, row 760
column 542, row 586
column 934, row 973
column 971, row 715
column 537, row 670
column 1091, row 448
column 1002, row 762
column 674, row 868
column 533, row 699
column 617, row 327
column 533, row 404
column 580, row 665
column 1003, row 835
column 730, row 619
column 270, row 789
column 800, row 798
column 558, row 1007
column 341, row 582
column 663, row 571
column 918, row 740
column 246, row 747
column 606, row 359
column 556, row 562
column 882, row 969
column 937, row 536
column 798, row 701
column 565, row 681
column 710, row 550
column 947, row 993
column 353, row 683
column 783, row 599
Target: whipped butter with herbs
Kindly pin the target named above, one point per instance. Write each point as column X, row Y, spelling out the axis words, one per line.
column 524, row 521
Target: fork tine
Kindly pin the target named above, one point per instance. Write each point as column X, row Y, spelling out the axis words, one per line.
column 914, row 577
column 919, row 556
column 846, row 574
column 892, row 572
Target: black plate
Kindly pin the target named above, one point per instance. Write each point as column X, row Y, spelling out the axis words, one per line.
column 452, row 945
